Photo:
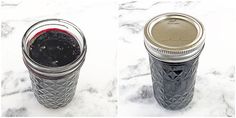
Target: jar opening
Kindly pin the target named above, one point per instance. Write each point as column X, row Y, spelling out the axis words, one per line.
column 50, row 41
column 53, row 47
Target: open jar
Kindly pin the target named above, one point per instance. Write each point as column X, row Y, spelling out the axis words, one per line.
column 54, row 51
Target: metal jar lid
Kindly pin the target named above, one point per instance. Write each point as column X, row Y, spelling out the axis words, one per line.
column 174, row 37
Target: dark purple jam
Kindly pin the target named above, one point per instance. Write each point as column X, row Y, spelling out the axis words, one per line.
column 173, row 83
column 54, row 48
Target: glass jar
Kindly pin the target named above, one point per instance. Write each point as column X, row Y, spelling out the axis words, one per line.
column 53, row 86
column 174, row 42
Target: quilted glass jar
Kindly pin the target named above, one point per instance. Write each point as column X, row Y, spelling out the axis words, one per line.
column 174, row 42
column 54, row 81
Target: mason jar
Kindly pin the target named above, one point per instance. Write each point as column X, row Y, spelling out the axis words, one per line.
column 54, row 51
column 174, row 42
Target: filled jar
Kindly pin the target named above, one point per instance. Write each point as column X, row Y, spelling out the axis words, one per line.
column 174, row 42
column 54, row 51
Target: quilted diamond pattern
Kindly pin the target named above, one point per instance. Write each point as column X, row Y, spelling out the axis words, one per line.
column 173, row 83
column 54, row 93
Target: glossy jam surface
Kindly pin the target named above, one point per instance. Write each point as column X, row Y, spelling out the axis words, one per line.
column 54, row 48
column 173, row 83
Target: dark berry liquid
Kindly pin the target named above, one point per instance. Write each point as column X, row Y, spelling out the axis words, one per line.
column 173, row 83
column 54, row 48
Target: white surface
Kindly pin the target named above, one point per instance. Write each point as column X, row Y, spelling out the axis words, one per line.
column 117, row 57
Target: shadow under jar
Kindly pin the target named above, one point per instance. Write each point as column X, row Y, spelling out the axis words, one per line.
column 54, row 51
column 174, row 42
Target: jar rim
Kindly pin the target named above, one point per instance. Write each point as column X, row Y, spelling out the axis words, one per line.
column 62, row 25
